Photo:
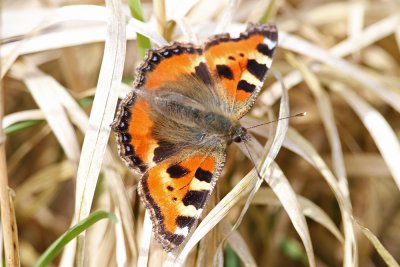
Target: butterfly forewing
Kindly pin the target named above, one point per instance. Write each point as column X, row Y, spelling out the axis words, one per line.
column 241, row 64
column 133, row 127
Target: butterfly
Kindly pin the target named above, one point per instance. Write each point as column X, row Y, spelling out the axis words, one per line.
column 184, row 110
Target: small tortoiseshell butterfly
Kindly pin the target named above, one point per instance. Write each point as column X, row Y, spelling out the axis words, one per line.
column 184, row 110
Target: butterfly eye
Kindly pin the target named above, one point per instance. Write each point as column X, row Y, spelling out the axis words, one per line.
column 237, row 139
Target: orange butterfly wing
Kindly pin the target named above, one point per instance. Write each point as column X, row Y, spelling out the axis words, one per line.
column 175, row 193
column 134, row 123
column 241, row 64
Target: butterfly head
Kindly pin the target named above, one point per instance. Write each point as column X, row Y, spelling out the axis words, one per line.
column 240, row 134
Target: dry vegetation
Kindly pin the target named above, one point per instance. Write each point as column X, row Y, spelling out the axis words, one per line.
column 329, row 198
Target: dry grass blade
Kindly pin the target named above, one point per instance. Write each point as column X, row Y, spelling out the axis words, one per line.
column 326, row 112
column 42, row 87
column 296, row 44
column 40, row 181
column 267, row 197
column 120, row 248
column 176, row 9
column 281, row 186
column 386, row 256
column 8, row 222
column 25, row 148
column 144, row 248
column 38, row 190
column 187, row 31
column 226, row 16
column 134, row 25
column 314, row 212
column 301, row 146
column 160, row 15
column 47, row 36
column 79, row 118
column 238, row 244
column 26, row 41
column 34, row 114
column 369, row 35
column 101, row 116
column 286, row 195
column 397, row 35
column 380, row 130
column 126, row 218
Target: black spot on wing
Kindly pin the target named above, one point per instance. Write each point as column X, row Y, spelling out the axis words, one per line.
column 129, row 150
column 167, row 53
column 177, row 171
column 122, row 126
column 155, row 58
column 163, row 151
column 273, row 35
column 203, row 175
column 170, row 188
column 245, row 86
column 126, row 113
column 176, row 239
column 131, row 101
column 195, row 198
column 257, row 69
column 202, row 72
column 126, row 138
column 264, row 49
column 225, row 71
column 185, row 221
column 138, row 163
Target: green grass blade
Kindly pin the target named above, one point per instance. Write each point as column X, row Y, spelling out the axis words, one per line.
column 21, row 126
column 70, row 234
column 136, row 12
column 271, row 9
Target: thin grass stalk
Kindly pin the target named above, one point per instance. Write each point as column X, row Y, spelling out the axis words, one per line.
column 8, row 222
column 327, row 116
column 160, row 15
column 104, row 104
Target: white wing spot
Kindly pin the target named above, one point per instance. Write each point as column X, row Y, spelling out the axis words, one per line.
column 182, row 231
column 270, row 43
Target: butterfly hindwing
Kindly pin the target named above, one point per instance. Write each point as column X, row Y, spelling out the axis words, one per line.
column 175, row 193
column 241, row 64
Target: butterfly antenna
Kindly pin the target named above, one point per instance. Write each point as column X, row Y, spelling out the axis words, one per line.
column 252, row 160
column 292, row 116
